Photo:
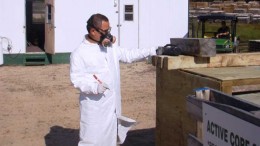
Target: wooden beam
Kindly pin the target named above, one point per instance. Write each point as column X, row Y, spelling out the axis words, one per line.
column 220, row 60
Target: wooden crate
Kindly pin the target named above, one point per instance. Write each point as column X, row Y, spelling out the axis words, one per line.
column 177, row 77
column 218, row 6
column 202, row 4
column 192, row 5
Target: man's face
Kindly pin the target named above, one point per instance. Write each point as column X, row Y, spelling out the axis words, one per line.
column 103, row 30
column 102, row 34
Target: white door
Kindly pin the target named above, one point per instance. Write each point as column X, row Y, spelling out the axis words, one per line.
column 49, row 27
column 128, row 27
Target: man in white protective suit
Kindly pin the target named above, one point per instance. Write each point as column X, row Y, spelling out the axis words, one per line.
column 95, row 71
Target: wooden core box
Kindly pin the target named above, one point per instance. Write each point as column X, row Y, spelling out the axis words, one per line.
column 177, row 77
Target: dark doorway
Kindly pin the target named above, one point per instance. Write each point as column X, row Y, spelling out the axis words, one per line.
column 35, row 19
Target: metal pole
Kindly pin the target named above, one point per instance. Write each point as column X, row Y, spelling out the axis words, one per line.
column 119, row 22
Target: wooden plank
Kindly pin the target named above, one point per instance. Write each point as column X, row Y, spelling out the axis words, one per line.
column 184, row 62
column 235, row 59
column 204, row 94
column 229, row 73
column 158, row 61
column 245, row 88
column 231, row 76
column 247, row 81
column 194, row 108
column 220, row 60
column 226, row 87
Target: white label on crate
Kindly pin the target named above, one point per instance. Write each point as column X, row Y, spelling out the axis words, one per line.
column 223, row 129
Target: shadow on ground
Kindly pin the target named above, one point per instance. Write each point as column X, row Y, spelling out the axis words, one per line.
column 59, row 136
column 142, row 137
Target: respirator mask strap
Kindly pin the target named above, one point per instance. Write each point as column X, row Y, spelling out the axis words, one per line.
column 93, row 39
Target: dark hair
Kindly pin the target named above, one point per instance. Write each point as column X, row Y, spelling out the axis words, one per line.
column 95, row 21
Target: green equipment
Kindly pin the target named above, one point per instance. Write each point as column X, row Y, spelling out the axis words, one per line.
column 223, row 45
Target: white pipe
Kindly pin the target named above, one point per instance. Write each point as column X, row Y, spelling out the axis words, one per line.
column 119, row 22
column 138, row 45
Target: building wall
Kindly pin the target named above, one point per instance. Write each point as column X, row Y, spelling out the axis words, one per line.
column 12, row 16
column 71, row 18
column 158, row 21
column 162, row 20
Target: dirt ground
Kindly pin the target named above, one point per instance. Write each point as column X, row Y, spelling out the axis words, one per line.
column 39, row 106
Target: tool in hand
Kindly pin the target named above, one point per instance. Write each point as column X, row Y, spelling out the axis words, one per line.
column 97, row 79
column 100, row 82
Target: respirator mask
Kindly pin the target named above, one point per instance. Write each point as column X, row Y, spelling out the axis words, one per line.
column 106, row 39
column 108, row 36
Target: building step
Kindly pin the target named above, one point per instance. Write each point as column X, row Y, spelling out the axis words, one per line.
column 35, row 59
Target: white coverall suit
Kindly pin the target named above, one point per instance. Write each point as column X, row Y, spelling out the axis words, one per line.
column 99, row 113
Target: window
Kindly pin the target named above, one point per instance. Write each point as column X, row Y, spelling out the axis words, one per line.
column 48, row 13
column 129, row 13
column 38, row 14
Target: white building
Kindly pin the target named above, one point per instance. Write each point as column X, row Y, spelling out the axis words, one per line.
column 56, row 27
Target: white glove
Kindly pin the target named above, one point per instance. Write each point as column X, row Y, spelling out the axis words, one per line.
column 153, row 51
column 102, row 88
